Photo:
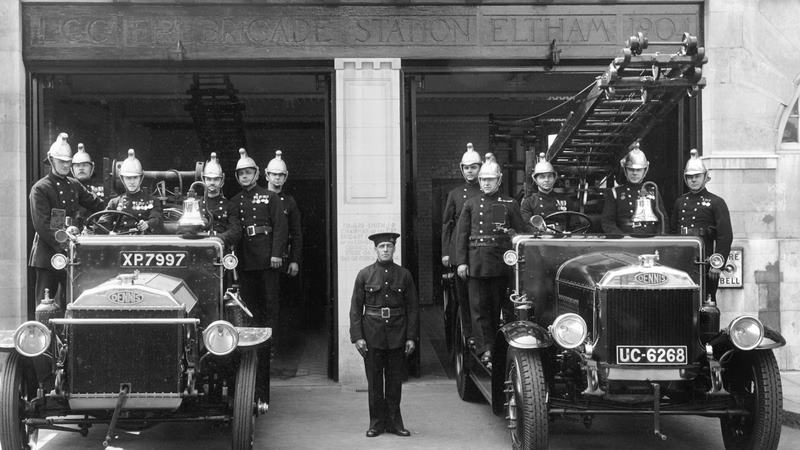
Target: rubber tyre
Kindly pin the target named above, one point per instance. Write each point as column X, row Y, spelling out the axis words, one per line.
column 15, row 390
column 244, row 415
column 526, row 398
column 467, row 389
column 754, row 379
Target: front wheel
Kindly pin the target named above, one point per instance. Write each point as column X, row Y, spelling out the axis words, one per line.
column 16, row 389
column 526, row 399
column 244, row 416
column 754, row 379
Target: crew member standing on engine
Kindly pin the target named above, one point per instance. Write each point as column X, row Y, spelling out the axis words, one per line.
column 384, row 313
column 83, row 170
column 223, row 215
column 545, row 200
column 264, row 237
column 52, row 199
column 701, row 213
column 635, row 207
column 145, row 209
column 277, row 173
column 470, row 165
column 485, row 227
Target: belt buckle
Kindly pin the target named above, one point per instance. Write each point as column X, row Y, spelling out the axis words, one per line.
column 386, row 313
column 251, row 230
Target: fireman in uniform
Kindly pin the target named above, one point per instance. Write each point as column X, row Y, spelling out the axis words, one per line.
column 52, row 199
column 485, row 227
column 223, row 215
column 635, row 207
column 277, row 173
column 264, row 237
column 545, row 200
column 384, row 313
column 144, row 207
column 470, row 165
column 701, row 213
column 83, row 170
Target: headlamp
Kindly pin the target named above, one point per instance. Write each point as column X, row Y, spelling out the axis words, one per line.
column 230, row 261
column 716, row 261
column 569, row 330
column 59, row 261
column 220, row 338
column 32, row 338
column 746, row 332
column 510, row 257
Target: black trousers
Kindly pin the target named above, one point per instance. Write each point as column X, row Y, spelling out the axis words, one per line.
column 261, row 293
column 385, row 384
column 52, row 280
column 462, row 296
column 485, row 297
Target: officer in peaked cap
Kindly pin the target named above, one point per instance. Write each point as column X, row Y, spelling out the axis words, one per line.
column 470, row 165
column 701, row 213
column 53, row 199
column 384, row 313
column 265, row 234
column 634, row 207
column 223, row 214
column 83, row 170
column 545, row 200
column 484, row 231
column 144, row 207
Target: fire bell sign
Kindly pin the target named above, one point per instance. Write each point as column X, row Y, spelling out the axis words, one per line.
column 731, row 276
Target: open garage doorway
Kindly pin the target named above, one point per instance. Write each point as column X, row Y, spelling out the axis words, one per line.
column 174, row 121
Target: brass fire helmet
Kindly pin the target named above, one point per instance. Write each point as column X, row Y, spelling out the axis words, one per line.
column 277, row 165
column 60, row 148
column 131, row 167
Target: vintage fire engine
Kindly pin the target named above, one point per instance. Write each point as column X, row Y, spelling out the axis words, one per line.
column 149, row 335
column 602, row 324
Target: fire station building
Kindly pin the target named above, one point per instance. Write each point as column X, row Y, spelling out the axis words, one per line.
column 373, row 103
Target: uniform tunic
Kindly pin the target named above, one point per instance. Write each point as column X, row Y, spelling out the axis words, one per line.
column 620, row 206
column 544, row 204
column 384, row 285
column 452, row 210
column 140, row 205
column 294, row 249
column 83, row 213
column 481, row 246
column 223, row 218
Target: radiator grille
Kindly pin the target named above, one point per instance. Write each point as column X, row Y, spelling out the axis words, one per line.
column 649, row 317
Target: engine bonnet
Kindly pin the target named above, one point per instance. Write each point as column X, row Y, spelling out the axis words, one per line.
column 138, row 291
column 620, row 270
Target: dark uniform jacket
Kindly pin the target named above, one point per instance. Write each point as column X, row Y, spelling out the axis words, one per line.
column 265, row 231
column 620, row 206
column 543, row 204
column 84, row 213
column 140, row 205
column 384, row 285
column 223, row 216
column 55, row 192
column 704, row 214
column 294, row 248
column 478, row 243
column 452, row 209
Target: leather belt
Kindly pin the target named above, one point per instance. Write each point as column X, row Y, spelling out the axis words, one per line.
column 383, row 313
column 253, row 230
column 643, row 224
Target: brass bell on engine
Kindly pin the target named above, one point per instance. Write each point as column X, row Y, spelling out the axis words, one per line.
column 191, row 220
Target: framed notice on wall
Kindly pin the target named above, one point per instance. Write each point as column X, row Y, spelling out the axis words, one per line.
column 732, row 272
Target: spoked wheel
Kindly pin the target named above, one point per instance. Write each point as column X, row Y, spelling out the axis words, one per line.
column 526, row 399
column 754, row 379
column 244, row 406
column 467, row 389
column 15, row 390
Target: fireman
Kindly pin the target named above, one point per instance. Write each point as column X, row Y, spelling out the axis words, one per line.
column 470, row 165
column 545, row 200
column 83, row 171
column 144, row 207
column 635, row 207
column 53, row 199
column 291, row 292
column 701, row 213
column 222, row 214
column 265, row 233
column 485, row 227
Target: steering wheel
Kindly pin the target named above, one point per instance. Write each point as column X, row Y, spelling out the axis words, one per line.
column 581, row 228
column 94, row 219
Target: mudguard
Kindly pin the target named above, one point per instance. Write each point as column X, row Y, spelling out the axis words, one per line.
column 772, row 339
column 526, row 335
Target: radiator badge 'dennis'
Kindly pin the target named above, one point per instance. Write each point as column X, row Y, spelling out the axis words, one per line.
column 125, row 297
column 651, row 278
